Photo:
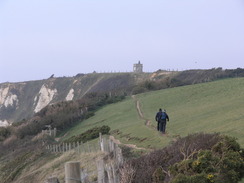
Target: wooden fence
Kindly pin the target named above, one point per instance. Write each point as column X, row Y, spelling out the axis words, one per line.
column 107, row 168
column 79, row 147
column 50, row 132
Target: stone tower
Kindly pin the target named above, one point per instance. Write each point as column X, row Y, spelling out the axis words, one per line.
column 138, row 67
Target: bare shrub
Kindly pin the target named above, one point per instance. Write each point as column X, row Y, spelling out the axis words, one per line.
column 127, row 173
column 183, row 149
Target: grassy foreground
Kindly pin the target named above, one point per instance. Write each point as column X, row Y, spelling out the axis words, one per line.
column 208, row 107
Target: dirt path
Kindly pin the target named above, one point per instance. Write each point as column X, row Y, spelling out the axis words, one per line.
column 139, row 111
column 116, row 141
column 147, row 123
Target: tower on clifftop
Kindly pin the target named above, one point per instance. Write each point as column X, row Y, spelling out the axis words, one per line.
column 138, row 67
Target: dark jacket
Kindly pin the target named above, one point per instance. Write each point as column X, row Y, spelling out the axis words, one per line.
column 158, row 116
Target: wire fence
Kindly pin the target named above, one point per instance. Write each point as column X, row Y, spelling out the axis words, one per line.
column 78, row 147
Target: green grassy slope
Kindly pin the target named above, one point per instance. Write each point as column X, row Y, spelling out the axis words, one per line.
column 209, row 107
column 123, row 117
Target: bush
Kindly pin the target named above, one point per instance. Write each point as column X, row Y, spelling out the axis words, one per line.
column 4, row 133
column 201, row 178
column 138, row 89
column 89, row 134
column 200, row 158
column 158, row 176
column 63, row 115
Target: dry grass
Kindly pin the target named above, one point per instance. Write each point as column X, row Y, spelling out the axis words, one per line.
column 53, row 166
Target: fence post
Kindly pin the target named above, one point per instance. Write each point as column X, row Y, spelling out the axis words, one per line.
column 100, row 171
column 69, row 146
column 109, row 171
column 101, row 142
column 78, row 147
column 111, row 145
column 114, row 168
column 119, row 156
column 104, row 145
column 82, row 147
column 72, row 172
column 54, row 132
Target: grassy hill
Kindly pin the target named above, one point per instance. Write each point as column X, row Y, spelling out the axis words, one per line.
column 22, row 100
column 209, row 107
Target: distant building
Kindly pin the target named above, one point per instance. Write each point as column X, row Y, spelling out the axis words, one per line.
column 138, row 68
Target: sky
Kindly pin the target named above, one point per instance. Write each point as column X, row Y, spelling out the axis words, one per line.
column 39, row 38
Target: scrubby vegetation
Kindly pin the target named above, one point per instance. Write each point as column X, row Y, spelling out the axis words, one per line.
column 4, row 133
column 89, row 134
column 199, row 157
column 64, row 115
column 188, row 77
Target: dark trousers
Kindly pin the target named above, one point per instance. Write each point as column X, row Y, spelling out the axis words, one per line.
column 162, row 126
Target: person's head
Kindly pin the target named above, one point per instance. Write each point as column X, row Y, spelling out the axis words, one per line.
column 160, row 110
column 164, row 110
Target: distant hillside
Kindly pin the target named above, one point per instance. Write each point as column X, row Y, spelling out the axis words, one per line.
column 22, row 100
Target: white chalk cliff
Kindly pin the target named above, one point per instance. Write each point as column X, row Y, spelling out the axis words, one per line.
column 4, row 123
column 44, row 97
column 7, row 98
column 19, row 101
column 70, row 95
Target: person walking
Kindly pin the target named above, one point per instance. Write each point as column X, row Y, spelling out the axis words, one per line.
column 161, row 117
column 157, row 118
column 164, row 118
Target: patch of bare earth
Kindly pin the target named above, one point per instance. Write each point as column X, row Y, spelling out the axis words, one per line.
column 116, row 141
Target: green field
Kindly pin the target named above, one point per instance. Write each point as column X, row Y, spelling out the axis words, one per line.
column 209, row 107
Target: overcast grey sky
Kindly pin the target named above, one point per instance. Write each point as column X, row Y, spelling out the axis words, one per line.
column 39, row 38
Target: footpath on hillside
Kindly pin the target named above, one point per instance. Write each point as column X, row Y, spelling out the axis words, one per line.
column 139, row 111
